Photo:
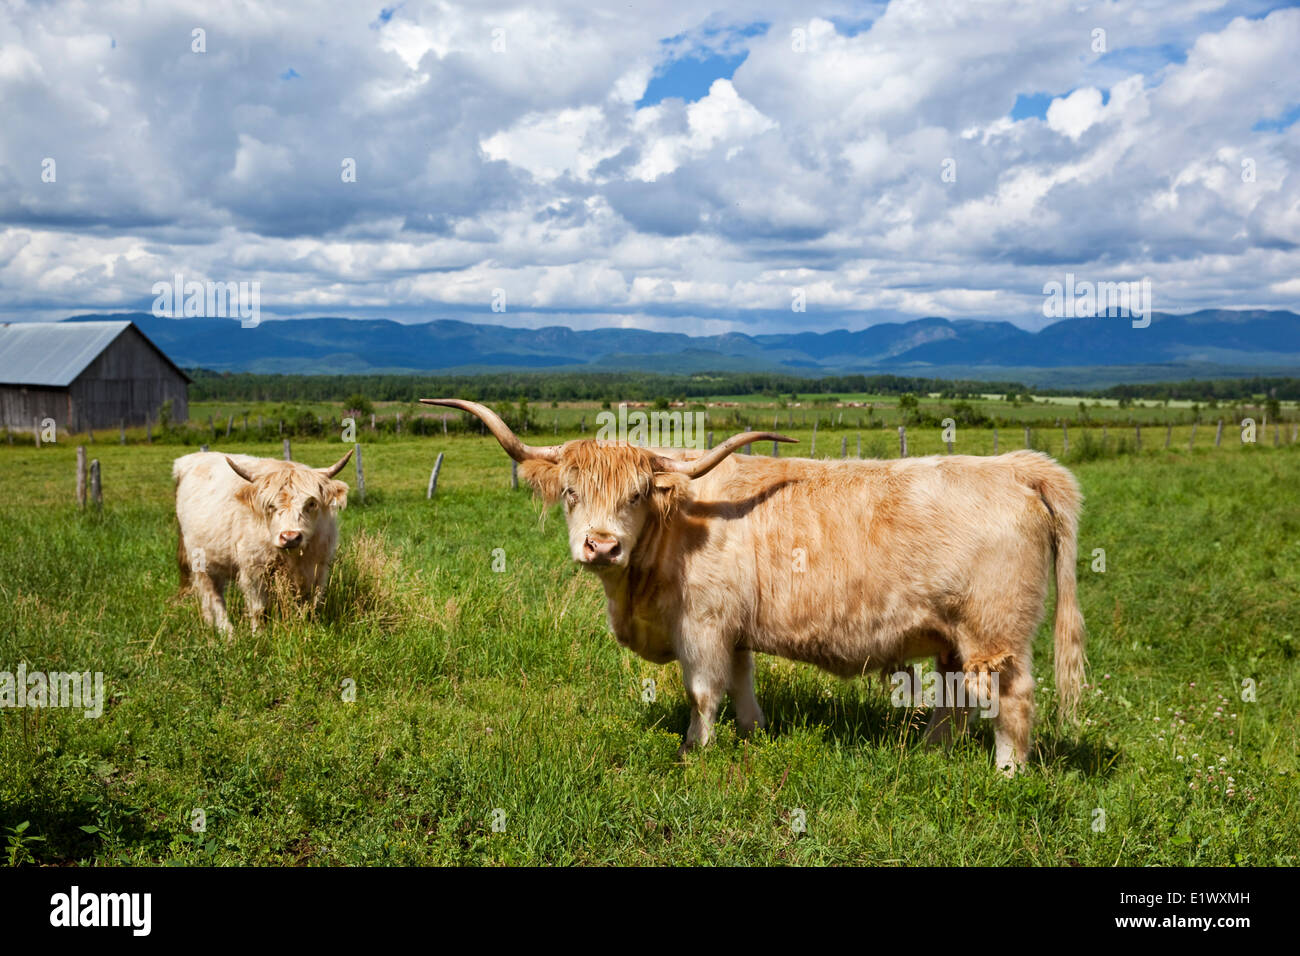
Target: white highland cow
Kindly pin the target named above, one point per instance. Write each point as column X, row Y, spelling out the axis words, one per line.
column 245, row 519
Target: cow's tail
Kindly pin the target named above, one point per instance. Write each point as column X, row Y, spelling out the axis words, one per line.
column 182, row 557
column 1060, row 492
column 183, row 563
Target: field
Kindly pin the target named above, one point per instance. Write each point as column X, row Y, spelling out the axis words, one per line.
column 496, row 721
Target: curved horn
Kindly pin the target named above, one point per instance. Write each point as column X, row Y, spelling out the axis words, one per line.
column 335, row 468
column 513, row 446
column 702, row 466
column 237, row 470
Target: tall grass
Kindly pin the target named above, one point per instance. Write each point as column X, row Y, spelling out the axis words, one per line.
column 429, row 691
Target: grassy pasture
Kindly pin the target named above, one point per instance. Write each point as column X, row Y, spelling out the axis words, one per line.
column 479, row 691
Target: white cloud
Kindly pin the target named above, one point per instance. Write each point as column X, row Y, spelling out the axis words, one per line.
column 525, row 164
column 1073, row 115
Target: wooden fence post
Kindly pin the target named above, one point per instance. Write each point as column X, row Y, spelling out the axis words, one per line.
column 902, row 441
column 361, row 477
column 1065, row 439
column 1137, row 437
column 36, row 431
column 514, row 475
column 90, row 432
column 710, row 440
column 1218, row 434
column 399, row 423
column 203, row 448
column 1026, row 436
column 81, row 476
column 776, row 450
column 96, row 489
column 749, row 448
column 288, row 451
column 995, row 441
column 1169, row 434
column 433, row 475
column 859, row 444
column 844, row 447
column 121, row 431
column 230, row 423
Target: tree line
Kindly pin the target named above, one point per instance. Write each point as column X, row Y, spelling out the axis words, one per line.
column 647, row 386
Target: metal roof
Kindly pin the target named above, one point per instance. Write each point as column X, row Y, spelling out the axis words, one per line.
column 53, row 354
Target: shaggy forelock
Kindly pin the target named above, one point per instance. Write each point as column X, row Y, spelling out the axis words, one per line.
column 606, row 473
column 283, row 485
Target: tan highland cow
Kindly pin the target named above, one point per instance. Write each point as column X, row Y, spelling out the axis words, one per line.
column 854, row 566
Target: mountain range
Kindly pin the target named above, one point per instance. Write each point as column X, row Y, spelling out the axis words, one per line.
column 1200, row 344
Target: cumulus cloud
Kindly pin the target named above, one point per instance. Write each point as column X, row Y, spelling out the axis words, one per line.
column 873, row 159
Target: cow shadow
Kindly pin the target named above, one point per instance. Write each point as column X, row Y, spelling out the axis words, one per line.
column 852, row 715
column 74, row 828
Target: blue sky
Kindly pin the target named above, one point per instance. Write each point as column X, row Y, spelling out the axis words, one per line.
column 668, row 166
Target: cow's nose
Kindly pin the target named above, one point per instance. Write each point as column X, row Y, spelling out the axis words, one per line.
column 290, row 539
column 601, row 549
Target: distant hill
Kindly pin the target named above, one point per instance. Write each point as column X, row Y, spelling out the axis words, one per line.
column 1202, row 344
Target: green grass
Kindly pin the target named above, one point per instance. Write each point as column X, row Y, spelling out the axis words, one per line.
column 478, row 690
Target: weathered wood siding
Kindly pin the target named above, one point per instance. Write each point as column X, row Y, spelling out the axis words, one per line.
column 22, row 405
column 128, row 381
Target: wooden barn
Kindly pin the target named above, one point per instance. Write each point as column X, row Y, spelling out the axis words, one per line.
column 85, row 375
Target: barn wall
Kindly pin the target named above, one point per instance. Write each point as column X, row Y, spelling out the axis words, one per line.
column 21, row 405
column 128, row 382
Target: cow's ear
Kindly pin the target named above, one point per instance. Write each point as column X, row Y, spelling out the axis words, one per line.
column 544, row 476
column 671, row 488
column 246, row 494
column 336, row 495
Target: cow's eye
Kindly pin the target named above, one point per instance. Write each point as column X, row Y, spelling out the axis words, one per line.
column 570, row 496
column 310, row 505
column 636, row 496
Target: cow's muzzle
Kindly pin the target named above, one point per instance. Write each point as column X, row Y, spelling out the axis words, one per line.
column 289, row 540
column 601, row 550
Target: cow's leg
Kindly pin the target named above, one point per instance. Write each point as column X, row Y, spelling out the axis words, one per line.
column 706, row 671
column 253, row 584
column 1015, row 717
column 319, row 579
column 946, row 719
column 748, row 714
column 212, row 600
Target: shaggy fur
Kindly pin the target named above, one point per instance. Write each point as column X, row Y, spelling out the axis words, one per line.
column 853, row 566
column 233, row 529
